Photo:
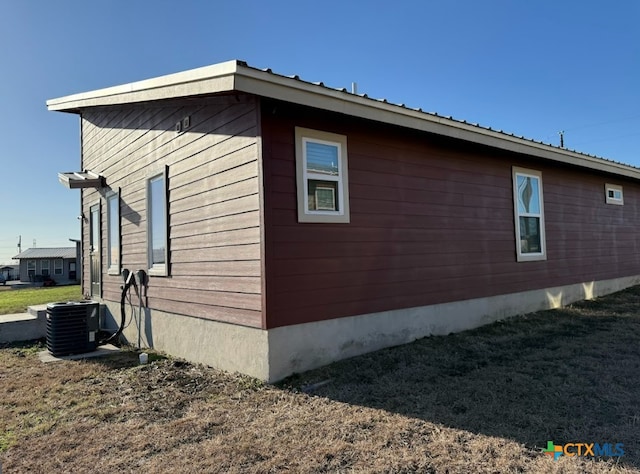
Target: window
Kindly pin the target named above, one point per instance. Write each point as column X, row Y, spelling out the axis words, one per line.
column 44, row 267
column 95, row 250
column 31, row 269
column 613, row 194
column 157, row 224
column 57, row 266
column 113, row 233
column 529, row 215
column 322, row 176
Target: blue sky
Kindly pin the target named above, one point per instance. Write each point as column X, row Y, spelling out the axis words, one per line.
column 529, row 68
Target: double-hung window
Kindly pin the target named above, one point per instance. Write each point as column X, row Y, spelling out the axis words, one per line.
column 157, row 251
column 44, row 267
column 322, row 176
column 57, row 266
column 529, row 215
column 113, row 233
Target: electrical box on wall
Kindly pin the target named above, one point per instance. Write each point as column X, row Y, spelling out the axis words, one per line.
column 183, row 125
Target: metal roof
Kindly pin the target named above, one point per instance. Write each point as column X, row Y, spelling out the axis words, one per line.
column 239, row 76
column 55, row 252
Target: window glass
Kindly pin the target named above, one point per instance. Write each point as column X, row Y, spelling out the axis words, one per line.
column 158, row 224
column 528, row 195
column 57, row 266
column 322, row 158
column 323, row 195
column 113, row 232
column 614, row 194
column 44, row 265
column 530, row 235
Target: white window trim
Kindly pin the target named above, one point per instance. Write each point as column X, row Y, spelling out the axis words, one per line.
column 612, row 200
column 47, row 267
column 163, row 268
column 113, row 269
column 342, row 215
column 58, row 270
column 528, row 257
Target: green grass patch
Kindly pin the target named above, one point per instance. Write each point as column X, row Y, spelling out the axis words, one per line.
column 7, row 438
column 16, row 301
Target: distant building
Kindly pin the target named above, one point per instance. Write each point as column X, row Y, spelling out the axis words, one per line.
column 60, row 263
column 10, row 272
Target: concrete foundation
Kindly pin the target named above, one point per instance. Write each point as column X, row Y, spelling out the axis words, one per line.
column 24, row 326
column 222, row 345
column 273, row 354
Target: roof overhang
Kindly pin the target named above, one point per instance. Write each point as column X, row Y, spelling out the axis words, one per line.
column 81, row 179
column 201, row 81
column 238, row 76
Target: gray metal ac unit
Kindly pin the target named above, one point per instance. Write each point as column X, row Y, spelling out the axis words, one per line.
column 72, row 327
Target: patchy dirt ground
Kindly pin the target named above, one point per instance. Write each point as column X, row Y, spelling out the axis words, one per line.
column 484, row 401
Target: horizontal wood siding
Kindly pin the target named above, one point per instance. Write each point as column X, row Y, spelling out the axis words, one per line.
column 214, row 214
column 431, row 222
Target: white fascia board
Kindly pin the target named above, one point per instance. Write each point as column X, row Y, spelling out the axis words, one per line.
column 204, row 80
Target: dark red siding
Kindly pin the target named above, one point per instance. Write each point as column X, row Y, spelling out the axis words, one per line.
column 431, row 222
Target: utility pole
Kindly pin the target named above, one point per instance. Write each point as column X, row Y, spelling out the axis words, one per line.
column 19, row 244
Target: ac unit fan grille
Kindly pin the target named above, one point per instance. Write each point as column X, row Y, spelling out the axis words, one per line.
column 72, row 327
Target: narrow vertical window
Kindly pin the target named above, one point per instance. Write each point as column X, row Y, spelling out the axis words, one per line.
column 95, row 250
column 57, row 266
column 31, row 269
column 157, row 224
column 113, row 233
column 44, row 267
column 529, row 215
column 323, row 188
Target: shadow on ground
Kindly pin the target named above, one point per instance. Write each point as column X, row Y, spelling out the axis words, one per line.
column 567, row 375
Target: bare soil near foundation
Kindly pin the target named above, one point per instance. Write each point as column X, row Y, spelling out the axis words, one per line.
column 483, row 401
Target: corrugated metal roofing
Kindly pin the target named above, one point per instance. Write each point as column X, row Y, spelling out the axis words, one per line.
column 55, row 252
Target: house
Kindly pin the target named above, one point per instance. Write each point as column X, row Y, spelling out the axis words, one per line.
column 9, row 272
column 283, row 224
column 59, row 263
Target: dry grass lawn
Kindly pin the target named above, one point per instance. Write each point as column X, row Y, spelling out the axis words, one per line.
column 483, row 401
